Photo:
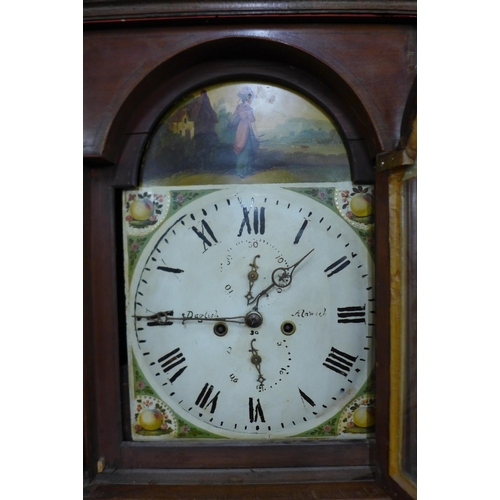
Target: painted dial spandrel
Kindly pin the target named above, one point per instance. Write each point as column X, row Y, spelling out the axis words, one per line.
column 313, row 351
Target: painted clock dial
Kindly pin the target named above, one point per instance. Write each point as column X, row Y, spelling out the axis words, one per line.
column 249, row 313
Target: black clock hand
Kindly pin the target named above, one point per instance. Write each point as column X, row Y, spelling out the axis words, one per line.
column 281, row 277
column 253, row 319
column 165, row 318
column 256, row 361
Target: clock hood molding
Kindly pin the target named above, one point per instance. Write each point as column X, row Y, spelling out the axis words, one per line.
column 135, row 10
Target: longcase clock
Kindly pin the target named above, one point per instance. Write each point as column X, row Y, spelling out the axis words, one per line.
column 238, row 285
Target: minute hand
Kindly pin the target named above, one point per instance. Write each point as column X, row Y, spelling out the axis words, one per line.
column 165, row 318
column 281, row 277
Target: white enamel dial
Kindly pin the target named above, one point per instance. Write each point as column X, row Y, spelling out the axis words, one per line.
column 311, row 353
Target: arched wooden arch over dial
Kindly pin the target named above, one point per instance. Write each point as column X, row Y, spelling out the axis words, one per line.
column 142, row 88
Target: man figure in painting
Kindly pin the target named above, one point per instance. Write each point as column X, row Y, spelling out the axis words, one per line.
column 246, row 141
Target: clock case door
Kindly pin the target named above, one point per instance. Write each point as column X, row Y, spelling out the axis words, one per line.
column 116, row 166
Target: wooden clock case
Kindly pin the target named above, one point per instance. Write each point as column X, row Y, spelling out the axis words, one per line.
column 361, row 71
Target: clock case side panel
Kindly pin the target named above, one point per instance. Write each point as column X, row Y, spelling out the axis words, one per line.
column 102, row 399
column 389, row 291
column 89, row 411
column 130, row 131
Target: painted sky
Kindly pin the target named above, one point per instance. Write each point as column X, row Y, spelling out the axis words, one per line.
column 272, row 105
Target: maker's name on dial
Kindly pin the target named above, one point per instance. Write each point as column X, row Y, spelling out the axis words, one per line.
column 304, row 313
column 200, row 316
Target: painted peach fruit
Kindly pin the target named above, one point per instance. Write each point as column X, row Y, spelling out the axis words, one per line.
column 150, row 420
column 364, row 416
column 362, row 204
column 141, row 209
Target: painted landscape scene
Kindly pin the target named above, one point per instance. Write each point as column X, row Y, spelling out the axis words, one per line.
column 244, row 133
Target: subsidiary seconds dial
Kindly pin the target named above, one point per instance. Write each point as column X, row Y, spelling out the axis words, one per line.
column 250, row 312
